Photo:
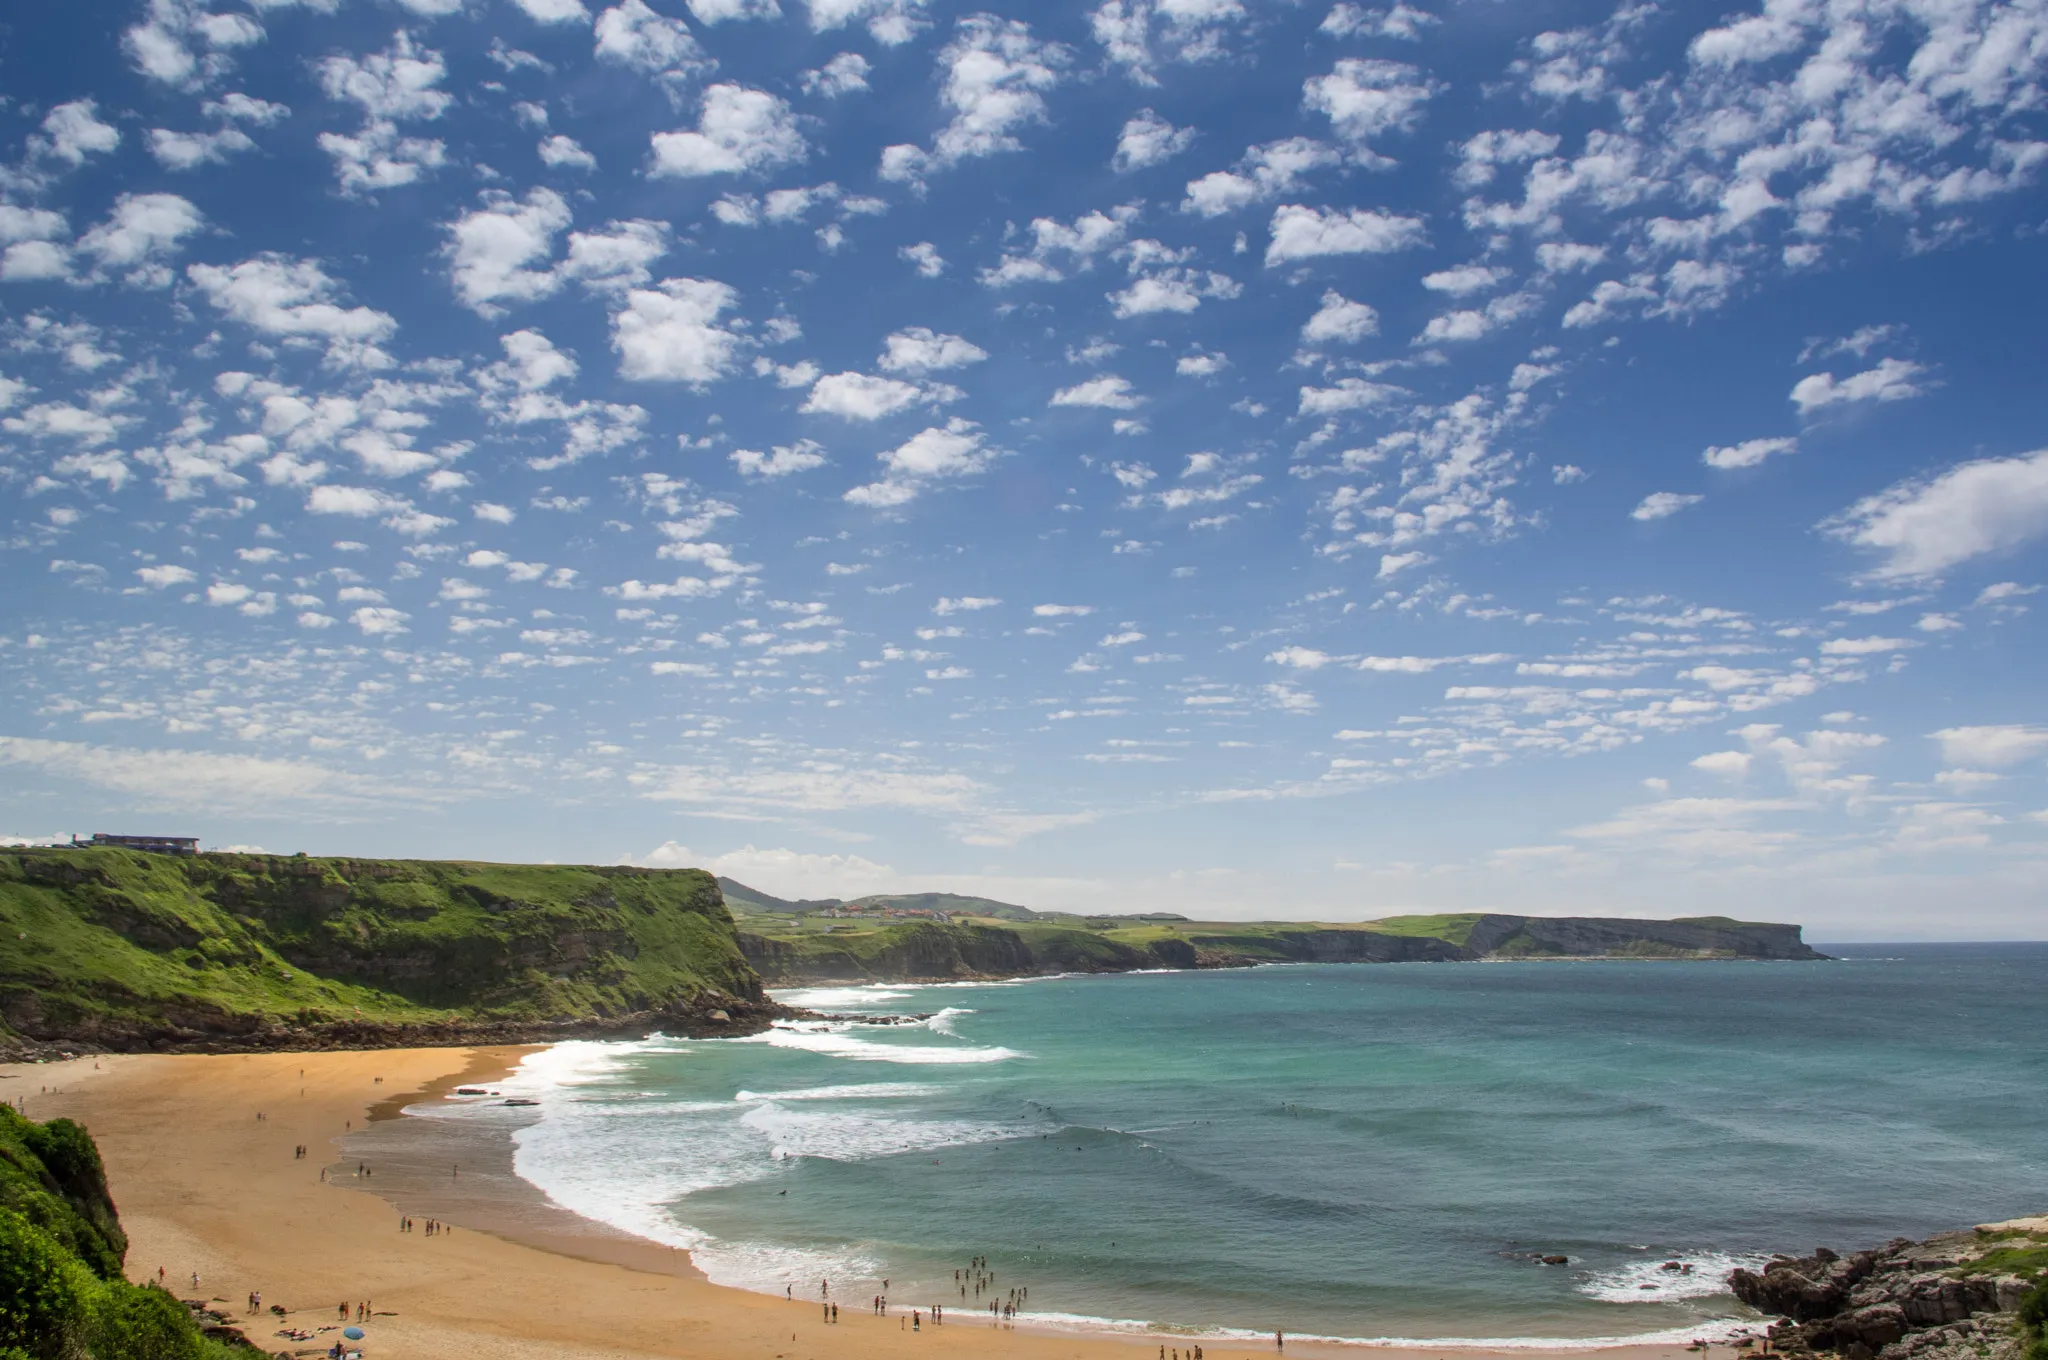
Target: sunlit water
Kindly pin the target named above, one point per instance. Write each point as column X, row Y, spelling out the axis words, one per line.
column 1350, row 1151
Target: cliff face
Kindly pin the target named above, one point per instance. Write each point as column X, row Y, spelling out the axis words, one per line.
column 900, row 953
column 927, row 951
column 1593, row 936
column 1959, row 1296
column 128, row 950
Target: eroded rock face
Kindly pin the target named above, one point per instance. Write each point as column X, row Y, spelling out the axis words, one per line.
column 1906, row 1300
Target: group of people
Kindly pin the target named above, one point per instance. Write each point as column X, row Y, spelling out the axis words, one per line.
column 362, row 1311
column 1194, row 1353
column 982, row 1280
column 434, row 1226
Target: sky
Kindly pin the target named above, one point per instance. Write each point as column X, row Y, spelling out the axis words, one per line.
column 1240, row 457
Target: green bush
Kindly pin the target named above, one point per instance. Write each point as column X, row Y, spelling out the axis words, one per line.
column 138, row 1323
column 46, row 1296
column 2034, row 1320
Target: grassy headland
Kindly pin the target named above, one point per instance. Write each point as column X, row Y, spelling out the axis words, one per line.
column 126, row 949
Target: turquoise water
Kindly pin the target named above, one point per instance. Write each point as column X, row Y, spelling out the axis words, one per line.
column 1351, row 1151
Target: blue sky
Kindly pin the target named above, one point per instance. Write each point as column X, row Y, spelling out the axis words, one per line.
column 1254, row 459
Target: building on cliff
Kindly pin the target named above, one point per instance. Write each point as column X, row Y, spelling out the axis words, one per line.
column 158, row 845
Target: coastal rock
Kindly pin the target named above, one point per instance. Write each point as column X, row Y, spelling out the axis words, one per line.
column 1939, row 1299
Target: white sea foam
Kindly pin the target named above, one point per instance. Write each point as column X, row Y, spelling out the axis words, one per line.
column 1648, row 1281
column 1720, row 1329
column 842, row 1137
column 942, row 1022
column 840, row 998
column 833, row 1041
column 874, row 1090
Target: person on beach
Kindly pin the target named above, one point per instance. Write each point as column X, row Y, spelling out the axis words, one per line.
column 1279, row 1340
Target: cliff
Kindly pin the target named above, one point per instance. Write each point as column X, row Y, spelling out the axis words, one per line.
column 1975, row 1295
column 786, row 952
column 125, row 950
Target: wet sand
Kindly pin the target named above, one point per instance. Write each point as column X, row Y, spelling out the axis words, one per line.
column 205, row 1186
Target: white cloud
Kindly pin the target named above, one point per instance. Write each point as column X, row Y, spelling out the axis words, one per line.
column 920, row 350
column 1348, row 394
column 491, row 250
column 1148, row 140
column 1108, row 391
column 1171, row 290
column 1864, row 646
column 173, row 780
column 380, row 620
column 1062, row 611
column 958, row 449
column 281, row 296
column 925, row 258
column 738, row 130
column 1466, row 278
column 786, row 459
column 1891, row 380
column 718, row 11
column 843, row 75
column 1663, row 505
column 1926, row 526
column 1300, row 658
column 1729, row 764
column 189, row 150
column 394, row 84
column 168, row 574
column 670, row 333
column 633, row 35
column 1303, row 233
column 862, row 396
column 554, row 11
column 565, row 153
column 1748, row 453
column 1138, row 34
column 1263, row 173
column 1403, row 22
column 890, row 22
column 1340, row 321
column 1994, row 746
column 138, row 233
column 73, row 131
column 1365, row 99
column 965, row 604
column 996, row 74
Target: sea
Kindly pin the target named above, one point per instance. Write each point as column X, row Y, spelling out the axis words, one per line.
column 1379, row 1153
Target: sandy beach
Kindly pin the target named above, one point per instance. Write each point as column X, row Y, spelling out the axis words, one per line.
column 204, row 1186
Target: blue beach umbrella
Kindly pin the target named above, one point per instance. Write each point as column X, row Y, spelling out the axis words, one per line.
column 352, row 1333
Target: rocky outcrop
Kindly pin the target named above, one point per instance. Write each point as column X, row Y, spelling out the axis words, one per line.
column 1950, row 1297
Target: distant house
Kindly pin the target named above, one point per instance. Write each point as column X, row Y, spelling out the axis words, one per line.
column 158, row 845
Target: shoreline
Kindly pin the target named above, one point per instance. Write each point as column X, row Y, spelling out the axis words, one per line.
column 206, row 1186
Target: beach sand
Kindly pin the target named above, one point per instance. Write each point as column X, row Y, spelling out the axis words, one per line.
column 204, row 1186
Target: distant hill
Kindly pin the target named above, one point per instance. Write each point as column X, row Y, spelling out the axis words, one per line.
column 752, row 900
column 901, row 951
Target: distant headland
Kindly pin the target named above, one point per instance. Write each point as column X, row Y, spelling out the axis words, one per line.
column 112, row 948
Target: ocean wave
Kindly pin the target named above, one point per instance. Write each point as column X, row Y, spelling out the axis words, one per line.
column 1650, row 1282
column 942, row 1022
column 841, row 1137
column 839, row 998
column 835, row 1043
column 874, row 1090
column 763, row 1268
column 1719, row 1330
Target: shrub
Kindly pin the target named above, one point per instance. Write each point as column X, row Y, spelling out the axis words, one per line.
column 45, row 1295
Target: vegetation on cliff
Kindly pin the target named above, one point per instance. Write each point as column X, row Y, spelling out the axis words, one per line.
column 798, row 942
column 129, row 949
column 62, row 1294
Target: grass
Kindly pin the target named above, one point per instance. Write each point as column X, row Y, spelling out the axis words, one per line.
column 113, row 942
